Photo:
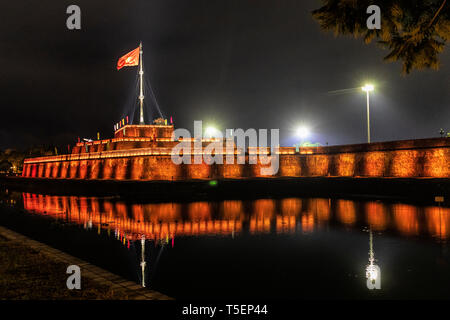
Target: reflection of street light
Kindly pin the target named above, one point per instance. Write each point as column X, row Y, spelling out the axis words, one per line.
column 367, row 88
column 373, row 272
column 143, row 263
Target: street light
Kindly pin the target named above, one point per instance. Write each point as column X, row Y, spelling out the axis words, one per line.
column 367, row 88
column 303, row 132
column 211, row 132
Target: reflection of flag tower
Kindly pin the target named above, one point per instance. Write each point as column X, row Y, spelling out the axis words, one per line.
column 373, row 272
column 143, row 263
column 141, row 91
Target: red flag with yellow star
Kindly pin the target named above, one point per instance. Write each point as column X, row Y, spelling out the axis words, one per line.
column 129, row 60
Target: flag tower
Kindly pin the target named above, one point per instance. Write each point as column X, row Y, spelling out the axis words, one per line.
column 134, row 58
column 141, row 91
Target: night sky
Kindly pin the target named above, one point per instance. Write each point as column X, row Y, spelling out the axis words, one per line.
column 233, row 64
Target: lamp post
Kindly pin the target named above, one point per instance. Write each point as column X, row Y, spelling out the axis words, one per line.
column 367, row 88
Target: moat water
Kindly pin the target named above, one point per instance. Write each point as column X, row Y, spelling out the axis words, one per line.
column 266, row 248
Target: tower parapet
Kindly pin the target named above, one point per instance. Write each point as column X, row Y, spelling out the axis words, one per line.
column 154, row 131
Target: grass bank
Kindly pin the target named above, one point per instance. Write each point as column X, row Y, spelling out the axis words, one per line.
column 26, row 273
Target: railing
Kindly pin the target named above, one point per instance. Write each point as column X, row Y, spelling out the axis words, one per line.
column 82, row 144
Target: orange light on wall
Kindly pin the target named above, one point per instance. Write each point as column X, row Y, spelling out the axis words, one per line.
column 73, row 169
column 232, row 170
column 64, row 170
column 34, row 171
column 108, row 169
column 93, row 169
column 121, row 168
column 290, row 166
column 374, row 164
column 404, row 163
column 137, row 168
column 41, row 170
column 55, row 169
column 47, row 170
column 83, row 170
column 150, row 160
column 199, row 171
column 437, row 163
column 318, row 165
column 346, row 164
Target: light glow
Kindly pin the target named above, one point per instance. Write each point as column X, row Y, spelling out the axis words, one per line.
column 371, row 272
column 212, row 132
column 303, row 132
column 368, row 88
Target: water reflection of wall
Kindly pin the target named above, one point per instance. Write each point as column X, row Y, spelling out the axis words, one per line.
column 167, row 220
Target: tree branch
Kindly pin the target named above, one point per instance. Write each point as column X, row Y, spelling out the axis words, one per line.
column 437, row 13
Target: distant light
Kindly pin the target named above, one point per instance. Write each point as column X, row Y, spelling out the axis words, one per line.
column 368, row 88
column 303, row 132
column 213, row 183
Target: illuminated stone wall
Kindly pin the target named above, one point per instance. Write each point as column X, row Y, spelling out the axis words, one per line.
column 410, row 158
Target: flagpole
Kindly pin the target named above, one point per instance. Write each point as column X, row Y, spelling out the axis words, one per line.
column 141, row 93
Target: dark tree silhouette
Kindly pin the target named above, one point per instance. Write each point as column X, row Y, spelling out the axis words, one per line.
column 414, row 31
column 5, row 166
